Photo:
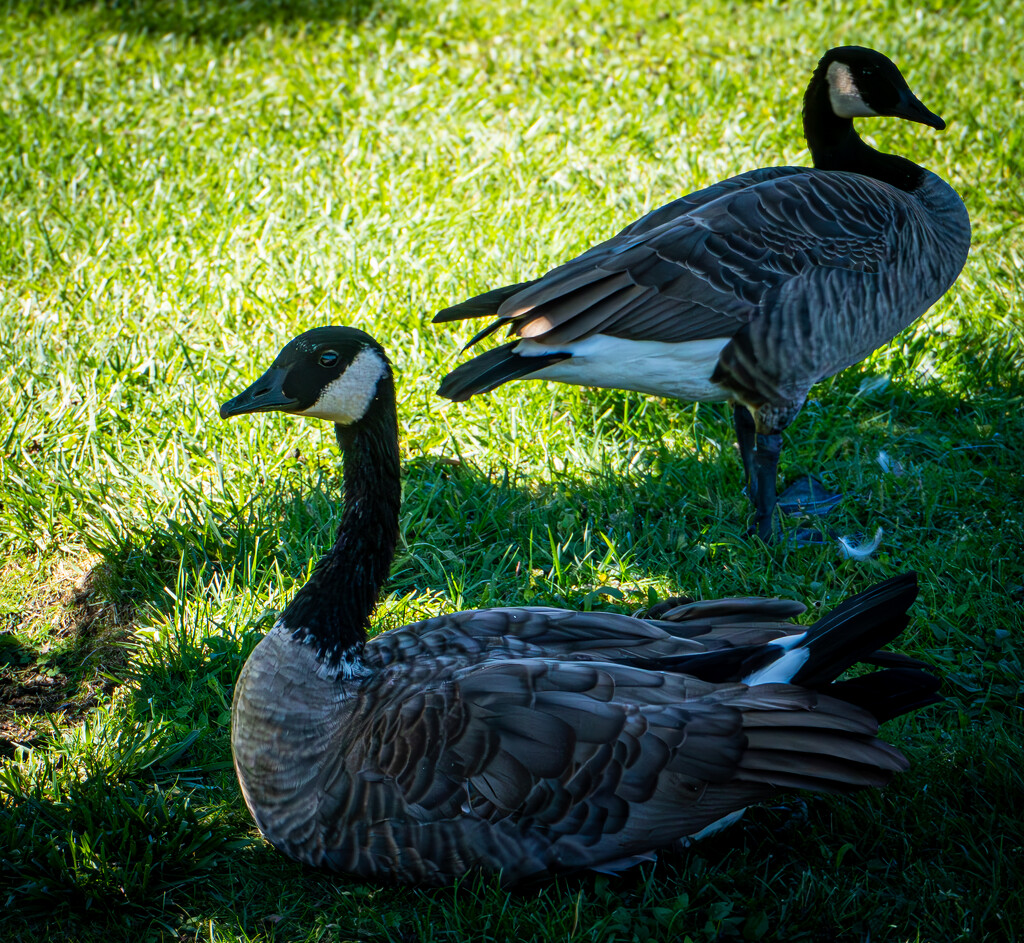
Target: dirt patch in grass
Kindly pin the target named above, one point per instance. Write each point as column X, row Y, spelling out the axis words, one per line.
column 60, row 649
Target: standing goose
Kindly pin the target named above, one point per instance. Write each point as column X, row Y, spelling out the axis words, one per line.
column 528, row 741
column 753, row 289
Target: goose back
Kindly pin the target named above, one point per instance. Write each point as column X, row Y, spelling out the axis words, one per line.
column 530, row 741
column 795, row 273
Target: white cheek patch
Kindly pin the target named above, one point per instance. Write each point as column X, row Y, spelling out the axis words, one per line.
column 844, row 94
column 346, row 399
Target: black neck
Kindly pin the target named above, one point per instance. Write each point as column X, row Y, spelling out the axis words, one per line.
column 332, row 611
column 835, row 145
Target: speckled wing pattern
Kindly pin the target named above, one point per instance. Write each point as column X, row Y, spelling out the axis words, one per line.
column 805, row 271
column 467, row 750
column 531, row 741
column 701, row 266
column 529, row 766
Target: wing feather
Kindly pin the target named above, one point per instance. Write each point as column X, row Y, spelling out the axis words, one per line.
column 712, row 258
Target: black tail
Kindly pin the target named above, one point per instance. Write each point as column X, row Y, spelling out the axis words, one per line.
column 856, row 629
column 489, row 370
column 481, row 305
column 889, row 693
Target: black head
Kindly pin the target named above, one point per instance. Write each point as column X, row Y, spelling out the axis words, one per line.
column 863, row 83
column 329, row 373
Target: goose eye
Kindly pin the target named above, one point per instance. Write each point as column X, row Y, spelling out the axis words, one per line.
column 328, row 358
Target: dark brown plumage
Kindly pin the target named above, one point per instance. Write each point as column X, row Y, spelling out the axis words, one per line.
column 753, row 289
column 529, row 741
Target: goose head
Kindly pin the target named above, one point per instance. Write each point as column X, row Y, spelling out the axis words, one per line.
column 332, row 373
column 862, row 83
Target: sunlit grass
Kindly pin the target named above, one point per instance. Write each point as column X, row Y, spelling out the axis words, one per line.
column 186, row 185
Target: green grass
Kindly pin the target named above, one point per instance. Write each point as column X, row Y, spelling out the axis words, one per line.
column 186, row 184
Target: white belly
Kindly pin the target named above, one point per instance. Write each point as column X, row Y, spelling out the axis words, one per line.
column 680, row 370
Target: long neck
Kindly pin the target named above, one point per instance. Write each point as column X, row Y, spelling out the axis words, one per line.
column 835, row 145
column 332, row 611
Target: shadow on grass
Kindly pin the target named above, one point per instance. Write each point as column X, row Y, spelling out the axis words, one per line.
column 213, row 20
column 461, row 526
column 680, row 517
column 66, row 677
column 494, row 539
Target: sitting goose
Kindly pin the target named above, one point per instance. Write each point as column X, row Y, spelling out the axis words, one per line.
column 753, row 289
column 528, row 741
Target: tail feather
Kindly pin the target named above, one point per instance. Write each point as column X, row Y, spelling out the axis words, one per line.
column 855, row 630
column 799, row 745
column 852, row 633
column 829, row 747
column 829, row 777
column 489, row 370
column 480, row 305
column 890, row 693
column 485, row 331
column 885, row 659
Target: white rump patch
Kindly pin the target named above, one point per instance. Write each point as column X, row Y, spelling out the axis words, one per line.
column 781, row 670
column 346, row 399
column 844, row 95
column 679, row 369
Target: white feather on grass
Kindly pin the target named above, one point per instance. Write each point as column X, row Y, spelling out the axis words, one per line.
column 860, row 551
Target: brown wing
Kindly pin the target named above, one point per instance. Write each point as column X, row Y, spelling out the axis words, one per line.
column 696, row 627
column 577, row 764
column 701, row 267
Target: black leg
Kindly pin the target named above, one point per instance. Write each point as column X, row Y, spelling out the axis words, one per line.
column 760, row 455
column 745, row 439
column 766, row 465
